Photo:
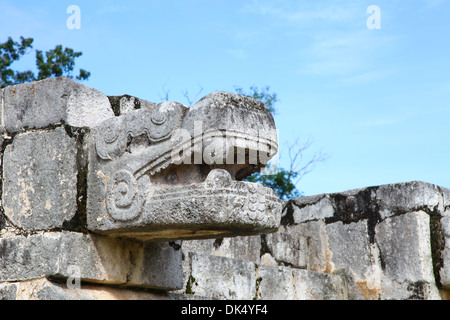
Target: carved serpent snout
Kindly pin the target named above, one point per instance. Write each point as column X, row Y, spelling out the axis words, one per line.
column 167, row 172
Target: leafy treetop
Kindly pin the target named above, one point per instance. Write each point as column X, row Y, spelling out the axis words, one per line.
column 53, row 63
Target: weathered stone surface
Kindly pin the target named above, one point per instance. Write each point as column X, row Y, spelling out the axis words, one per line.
column 287, row 249
column 350, row 248
column 406, row 197
column 215, row 277
column 275, row 283
column 444, row 272
column 8, row 291
column 335, row 248
column 97, row 258
column 206, row 246
column 220, row 277
column 216, row 208
column 310, row 285
column 317, row 256
column 44, row 103
column 244, row 248
column 404, row 243
column 159, row 267
column 281, row 283
column 378, row 261
column 311, row 208
column 138, row 188
column 39, row 179
column 353, row 255
column 44, row 289
column 126, row 103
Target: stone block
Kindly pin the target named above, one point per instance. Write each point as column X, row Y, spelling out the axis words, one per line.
column 393, row 290
column 275, row 283
column 8, row 291
column 317, row 255
column 446, row 196
column 221, row 277
column 40, row 179
column 350, row 248
column 41, row 104
column 310, row 285
column 404, row 243
column 281, row 283
column 445, row 223
column 312, row 208
column 406, row 197
column 405, row 250
column 206, row 246
column 244, row 248
column 288, row 249
column 160, row 266
column 94, row 258
column 444, row 272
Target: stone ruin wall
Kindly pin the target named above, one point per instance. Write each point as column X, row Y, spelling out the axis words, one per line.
column 385, row 242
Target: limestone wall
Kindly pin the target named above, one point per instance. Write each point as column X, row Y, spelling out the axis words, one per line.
column 43, row 230
column 385, row 242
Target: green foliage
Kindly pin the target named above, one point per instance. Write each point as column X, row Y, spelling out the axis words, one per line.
column 58, row 62
column 282, row 182
column 11, row 51
column 263, row 95
column 54, row 63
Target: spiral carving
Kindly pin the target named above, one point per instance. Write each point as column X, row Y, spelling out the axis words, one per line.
column 124, row 201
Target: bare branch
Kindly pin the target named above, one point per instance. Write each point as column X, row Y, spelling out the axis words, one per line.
column 189, row 101
column 165, row 92
column 186, row 95
column 296, row 152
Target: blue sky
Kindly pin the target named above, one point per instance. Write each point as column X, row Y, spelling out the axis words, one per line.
column 377, row 101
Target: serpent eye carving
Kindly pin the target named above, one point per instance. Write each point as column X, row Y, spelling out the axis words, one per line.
column 158, row 118
column 124, row 201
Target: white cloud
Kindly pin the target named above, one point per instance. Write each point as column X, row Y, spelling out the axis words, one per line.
column 329, row 37
column 366, row 77
column 383, row 121
column 348, row 54
column 304, row 12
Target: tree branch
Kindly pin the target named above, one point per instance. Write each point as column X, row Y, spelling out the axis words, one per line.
column 296, row 152
column 189, row 101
